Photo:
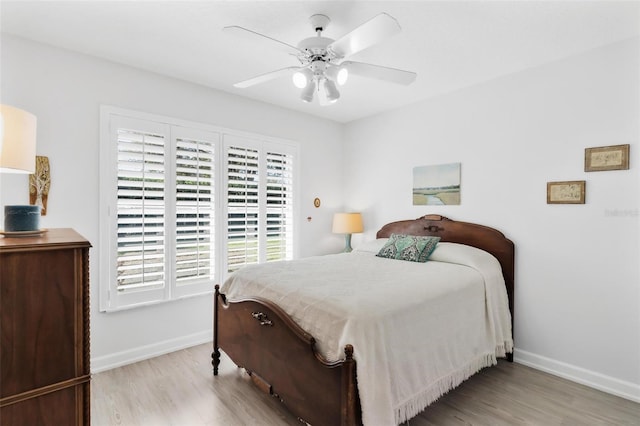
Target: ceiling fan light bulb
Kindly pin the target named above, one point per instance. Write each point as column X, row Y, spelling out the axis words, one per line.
column 342, row 76
column 300, row 80
column 307, row 93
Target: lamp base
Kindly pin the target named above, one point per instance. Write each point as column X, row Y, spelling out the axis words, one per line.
column 21, row 218
column 347, row 244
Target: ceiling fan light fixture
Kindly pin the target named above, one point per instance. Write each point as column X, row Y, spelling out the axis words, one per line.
column 302, row 78
column 331, row 90
column 299, row 80
column 307, row 92
column 339, row 74
column 343, row 75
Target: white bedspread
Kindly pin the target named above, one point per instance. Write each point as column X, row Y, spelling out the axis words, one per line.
column 418, row 329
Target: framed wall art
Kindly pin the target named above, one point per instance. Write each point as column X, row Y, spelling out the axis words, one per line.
column 614, row 157
column 568, row 192
column 436, row 185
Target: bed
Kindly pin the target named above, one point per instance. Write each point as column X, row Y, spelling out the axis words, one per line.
column 338, row 353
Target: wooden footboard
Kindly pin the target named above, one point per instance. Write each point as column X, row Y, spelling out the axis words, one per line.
column 282, row 360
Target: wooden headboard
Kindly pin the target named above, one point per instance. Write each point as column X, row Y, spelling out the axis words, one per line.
column 483, row 237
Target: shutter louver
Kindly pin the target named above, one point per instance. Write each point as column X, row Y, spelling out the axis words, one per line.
column 194, row 211
column 140, row 206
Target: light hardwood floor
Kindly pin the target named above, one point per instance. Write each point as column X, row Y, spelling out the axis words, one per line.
column 179, row 389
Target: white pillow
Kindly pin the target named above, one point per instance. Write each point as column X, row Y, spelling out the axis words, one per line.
column 462, row 254
column 372, row 246
column 444, row 252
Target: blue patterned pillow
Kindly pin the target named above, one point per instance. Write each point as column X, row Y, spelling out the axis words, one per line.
column 409, row 247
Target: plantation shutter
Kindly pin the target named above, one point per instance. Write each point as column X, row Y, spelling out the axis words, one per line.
column 260, row 201
column 243, row 207
column 183, row 204
column 279, row 206
column 195, row 156
column 141, row 254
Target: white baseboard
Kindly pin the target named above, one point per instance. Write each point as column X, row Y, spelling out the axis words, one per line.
column 140, row 353
column 583, row 376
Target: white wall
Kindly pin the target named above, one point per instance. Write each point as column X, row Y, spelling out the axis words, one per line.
column 577, row 266
column 65, row 90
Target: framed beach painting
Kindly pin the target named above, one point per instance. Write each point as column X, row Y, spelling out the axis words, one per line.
column 436, row 185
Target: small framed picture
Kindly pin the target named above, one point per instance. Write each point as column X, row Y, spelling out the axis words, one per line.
column 614, row 157
column 569, row 192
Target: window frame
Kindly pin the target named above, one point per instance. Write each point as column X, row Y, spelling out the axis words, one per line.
column 108, row 204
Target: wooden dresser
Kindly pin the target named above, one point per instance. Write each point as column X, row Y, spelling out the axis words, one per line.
column 44, row 326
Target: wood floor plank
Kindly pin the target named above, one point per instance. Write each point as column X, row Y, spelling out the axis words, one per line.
column 179, row 389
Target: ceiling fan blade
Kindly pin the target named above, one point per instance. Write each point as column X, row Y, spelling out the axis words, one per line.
column 266, row 41
column 266, row 77
column 379, row 72
column 377, row 29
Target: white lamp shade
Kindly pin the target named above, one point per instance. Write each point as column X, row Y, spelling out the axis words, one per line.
column 299, row 80
column 347, row 223
column 302, row 78
column 17, row 140
column 339, row 74
column 307, row 92
column 342, row 77
column 331, row 90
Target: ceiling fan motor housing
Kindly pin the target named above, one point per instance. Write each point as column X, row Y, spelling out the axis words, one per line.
column 316, row 57
column 315, row 48
column 315, row 45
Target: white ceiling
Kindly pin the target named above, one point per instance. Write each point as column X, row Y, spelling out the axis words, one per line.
column 449, row 44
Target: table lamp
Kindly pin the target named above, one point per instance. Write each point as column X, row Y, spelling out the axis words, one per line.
column 347, row 224
column 18, row 155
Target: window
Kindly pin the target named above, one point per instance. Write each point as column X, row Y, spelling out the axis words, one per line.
column 175, row 195
column 259, row 202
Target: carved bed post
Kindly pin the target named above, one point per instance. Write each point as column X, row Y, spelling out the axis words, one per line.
column 215, row 356
column 350, row 398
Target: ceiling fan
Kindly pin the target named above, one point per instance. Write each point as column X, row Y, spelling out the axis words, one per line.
column 322, row 59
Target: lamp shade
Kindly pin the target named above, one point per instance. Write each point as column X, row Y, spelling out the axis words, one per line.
column 302, row 78
column 339, row 74
column 307, row 92
column 347, row 223
column 331, row 90
column 17, row 140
